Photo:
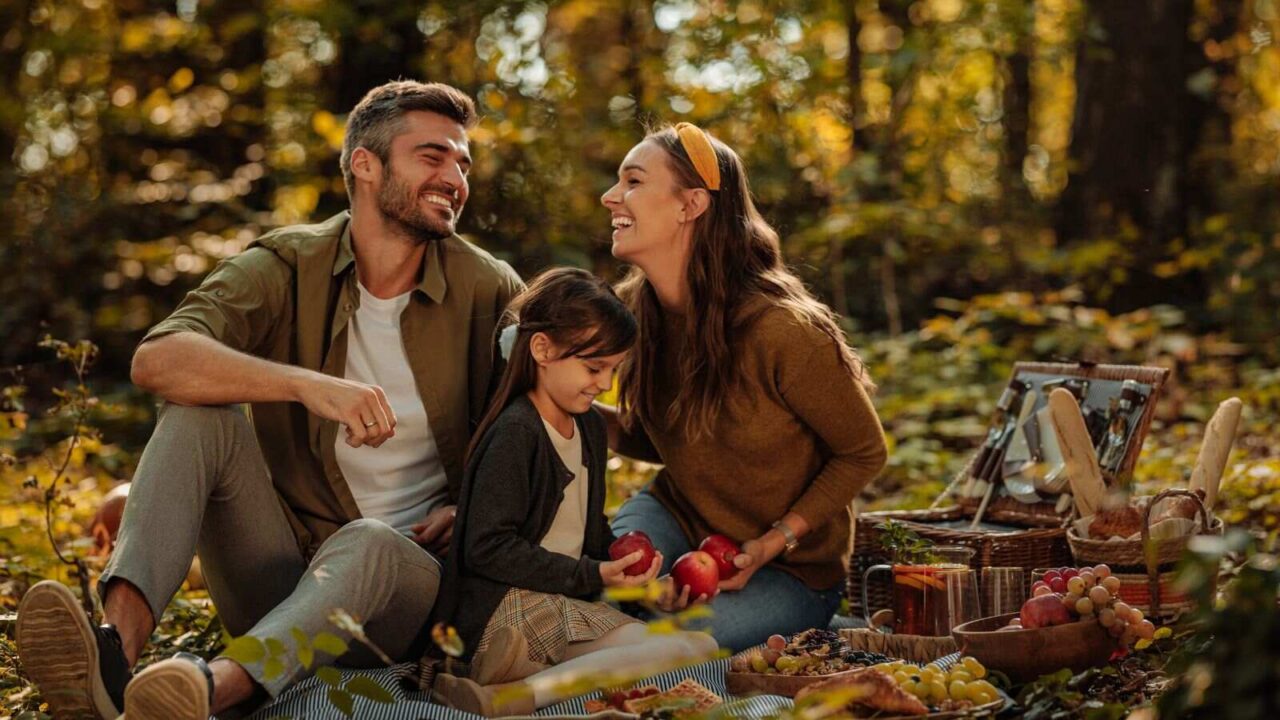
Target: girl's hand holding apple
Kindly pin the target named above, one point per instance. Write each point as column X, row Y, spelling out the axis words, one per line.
column 613, row 572
column 676, row 598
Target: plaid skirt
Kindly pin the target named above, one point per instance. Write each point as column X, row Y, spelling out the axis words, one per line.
column 550, row 622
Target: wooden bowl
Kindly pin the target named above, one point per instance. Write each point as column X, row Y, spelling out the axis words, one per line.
column 748, row 683
column 1025, row 655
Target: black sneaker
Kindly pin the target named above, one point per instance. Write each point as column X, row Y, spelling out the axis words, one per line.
column 80, row 669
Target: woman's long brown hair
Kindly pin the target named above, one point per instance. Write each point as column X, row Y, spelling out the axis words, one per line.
column 578, row 311
column 735, row 255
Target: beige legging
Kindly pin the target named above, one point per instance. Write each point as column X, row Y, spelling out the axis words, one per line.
column 629, row 650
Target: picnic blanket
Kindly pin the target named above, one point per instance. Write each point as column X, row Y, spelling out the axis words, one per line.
column 309, row 699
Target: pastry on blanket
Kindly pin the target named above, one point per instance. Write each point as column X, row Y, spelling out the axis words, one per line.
column 618, row 699
column 688, row 698
column 868, row 689
column 1123, row 521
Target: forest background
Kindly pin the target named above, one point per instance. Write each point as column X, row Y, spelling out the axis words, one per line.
column 966, row 183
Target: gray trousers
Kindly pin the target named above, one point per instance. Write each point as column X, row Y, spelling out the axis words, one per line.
column 202, row 487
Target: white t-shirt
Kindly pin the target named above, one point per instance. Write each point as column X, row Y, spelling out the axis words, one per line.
column 401, row 481
column 570, row 524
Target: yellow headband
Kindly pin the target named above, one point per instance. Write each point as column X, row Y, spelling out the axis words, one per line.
column 698, row 146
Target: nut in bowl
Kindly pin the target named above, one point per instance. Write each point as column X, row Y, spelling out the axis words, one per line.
column 1026, row 654
column 783, row 666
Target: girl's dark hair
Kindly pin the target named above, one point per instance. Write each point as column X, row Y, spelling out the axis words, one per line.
column 735, row 255
column 578, row 311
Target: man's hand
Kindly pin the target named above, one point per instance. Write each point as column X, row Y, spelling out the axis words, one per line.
column 436, row 530
column 611, row 572
column 362, row 408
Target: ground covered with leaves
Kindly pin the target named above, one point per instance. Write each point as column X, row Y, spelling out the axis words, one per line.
column 64, row 447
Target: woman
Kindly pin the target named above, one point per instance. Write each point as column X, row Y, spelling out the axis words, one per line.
column 741, row 385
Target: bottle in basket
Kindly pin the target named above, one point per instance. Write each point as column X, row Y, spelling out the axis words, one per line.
column 1116, row 440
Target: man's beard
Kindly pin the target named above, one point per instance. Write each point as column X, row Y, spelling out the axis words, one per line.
column 401, row 205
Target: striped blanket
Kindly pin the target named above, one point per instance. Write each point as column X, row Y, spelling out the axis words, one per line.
column 309, row 699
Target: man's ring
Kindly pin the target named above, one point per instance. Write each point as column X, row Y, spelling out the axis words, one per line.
column 371, row 424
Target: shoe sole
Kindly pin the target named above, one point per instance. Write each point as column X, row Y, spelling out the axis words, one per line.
column 460, row 695
column 60, row 654
column 169, row 690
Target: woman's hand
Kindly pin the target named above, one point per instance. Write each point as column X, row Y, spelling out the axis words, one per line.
column 670, row 601
column 613, row 575
column 755, row 555
column 762, row 551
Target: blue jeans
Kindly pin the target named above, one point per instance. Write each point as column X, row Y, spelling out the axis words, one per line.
column 774, row 601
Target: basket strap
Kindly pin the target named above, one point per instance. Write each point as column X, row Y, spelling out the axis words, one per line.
column 1148, row 547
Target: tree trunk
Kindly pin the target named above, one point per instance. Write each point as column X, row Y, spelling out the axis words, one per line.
column 385, row 44
column 14, row 18
column 631, row 31
column 1210, row 119
column 1136, row 130
column 891, row 173
column 1017, row 105
column 1126, row 140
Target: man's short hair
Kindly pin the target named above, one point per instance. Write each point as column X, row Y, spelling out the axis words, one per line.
column 379, row 117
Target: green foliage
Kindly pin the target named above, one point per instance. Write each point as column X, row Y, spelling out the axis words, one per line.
column 1230, row 666
column 903, row 545
column 246, row 650
column 882, row 139
column 1062, row 691
column 272, row 653
column 890, row 142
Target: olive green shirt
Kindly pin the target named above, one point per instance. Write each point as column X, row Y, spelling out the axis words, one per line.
column 289, row 298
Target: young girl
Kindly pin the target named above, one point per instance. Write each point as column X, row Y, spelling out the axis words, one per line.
column 530, row 549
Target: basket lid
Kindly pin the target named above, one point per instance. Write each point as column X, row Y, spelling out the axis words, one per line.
column 1021, row 457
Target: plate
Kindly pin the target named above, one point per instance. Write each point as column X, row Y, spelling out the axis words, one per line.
column 745, row 683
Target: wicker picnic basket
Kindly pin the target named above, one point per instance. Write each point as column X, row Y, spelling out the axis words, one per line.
column 1039, row 535
column 1145, row 566
column 1028, row 548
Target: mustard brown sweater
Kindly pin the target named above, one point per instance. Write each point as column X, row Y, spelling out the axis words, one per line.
column 799, row 435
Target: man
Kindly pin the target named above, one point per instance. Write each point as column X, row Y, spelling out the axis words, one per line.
column 364, row 346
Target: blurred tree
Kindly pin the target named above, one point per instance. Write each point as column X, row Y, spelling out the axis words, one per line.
column 907, row 150
column 1142, row 108
column 1016, row 101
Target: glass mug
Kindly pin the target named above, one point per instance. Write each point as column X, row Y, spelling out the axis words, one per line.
column 1004, row 589
column 932, row 598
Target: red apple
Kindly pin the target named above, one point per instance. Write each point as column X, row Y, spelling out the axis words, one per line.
column 1044, row 611
column 106, row 522
column 629, row 543
column 698, row 571
column 723, row 551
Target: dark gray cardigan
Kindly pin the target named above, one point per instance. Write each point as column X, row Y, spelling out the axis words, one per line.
column 512, row 488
